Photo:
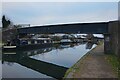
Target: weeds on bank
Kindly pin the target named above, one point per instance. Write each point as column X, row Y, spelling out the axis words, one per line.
column 115, row 62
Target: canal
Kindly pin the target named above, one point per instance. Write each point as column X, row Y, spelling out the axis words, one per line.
column 49, row 62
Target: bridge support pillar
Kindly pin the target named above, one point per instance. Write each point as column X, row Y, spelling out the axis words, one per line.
column 114, row 31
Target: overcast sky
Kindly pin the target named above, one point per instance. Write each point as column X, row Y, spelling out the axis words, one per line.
column 44, row 13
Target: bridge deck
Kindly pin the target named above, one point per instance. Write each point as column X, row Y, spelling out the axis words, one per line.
column 96, row 28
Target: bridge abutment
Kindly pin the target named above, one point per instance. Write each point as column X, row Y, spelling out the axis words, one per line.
column 112, row 40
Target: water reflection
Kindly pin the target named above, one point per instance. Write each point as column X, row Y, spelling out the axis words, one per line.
column 53, row 61
column 36, row 65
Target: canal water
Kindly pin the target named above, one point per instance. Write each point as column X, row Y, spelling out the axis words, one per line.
column 49, row 62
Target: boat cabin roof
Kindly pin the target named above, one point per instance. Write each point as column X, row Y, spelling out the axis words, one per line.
column 35, row 39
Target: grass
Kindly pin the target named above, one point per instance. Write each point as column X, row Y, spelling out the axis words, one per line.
column 115, row 62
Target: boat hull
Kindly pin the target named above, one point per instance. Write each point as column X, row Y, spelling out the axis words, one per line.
column 27, row 47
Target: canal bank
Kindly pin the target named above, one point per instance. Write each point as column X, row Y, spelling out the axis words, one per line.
column 92, row 65
column 36, row 62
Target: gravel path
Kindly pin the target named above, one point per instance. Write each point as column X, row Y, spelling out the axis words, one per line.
column 93, row 65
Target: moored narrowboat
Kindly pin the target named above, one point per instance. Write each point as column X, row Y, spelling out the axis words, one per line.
column 28, row 44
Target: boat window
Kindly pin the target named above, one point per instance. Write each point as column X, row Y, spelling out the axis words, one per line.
column 29, row 42
column 45, row 41
column 35, row 42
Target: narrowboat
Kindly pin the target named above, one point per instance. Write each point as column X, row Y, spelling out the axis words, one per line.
column 27, row 44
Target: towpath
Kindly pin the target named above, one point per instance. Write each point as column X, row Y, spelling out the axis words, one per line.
column 93, row 65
